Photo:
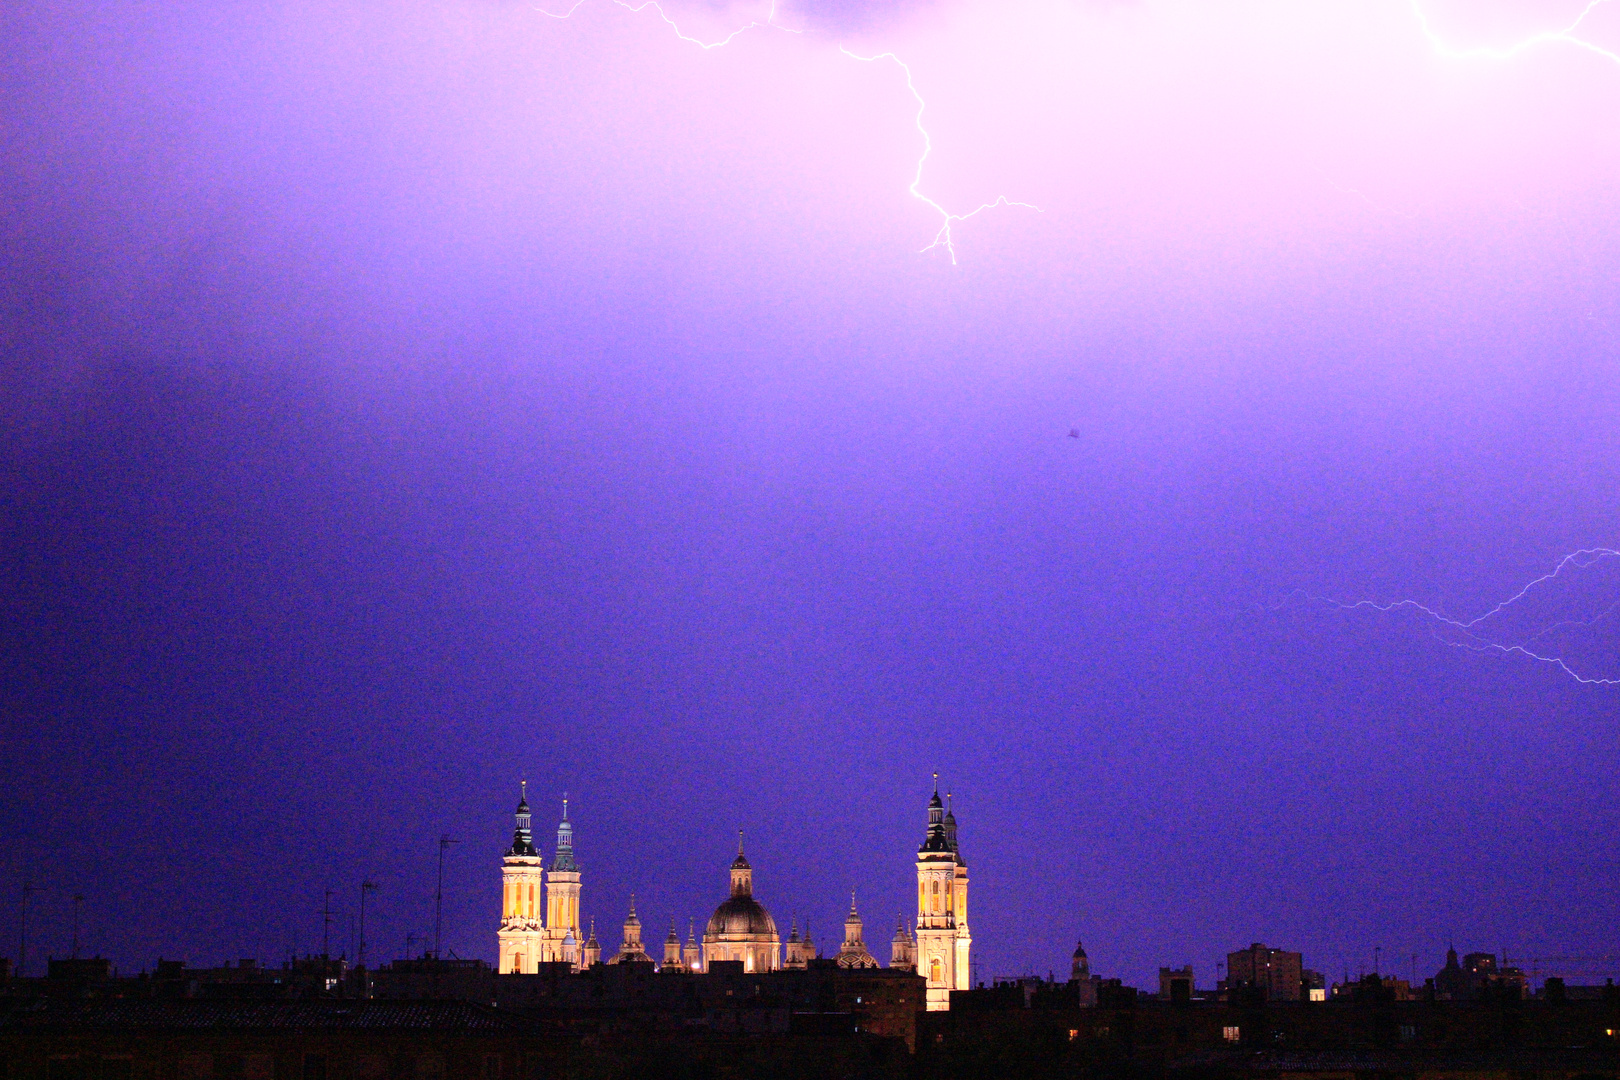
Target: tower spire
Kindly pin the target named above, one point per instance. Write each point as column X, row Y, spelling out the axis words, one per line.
column 564, row 860
column 742, row 874
column 523, row 834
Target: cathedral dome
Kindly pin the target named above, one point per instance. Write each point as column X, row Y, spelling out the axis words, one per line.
column 740, row 916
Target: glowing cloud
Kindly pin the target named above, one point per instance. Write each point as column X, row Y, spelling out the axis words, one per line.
column 945, row 237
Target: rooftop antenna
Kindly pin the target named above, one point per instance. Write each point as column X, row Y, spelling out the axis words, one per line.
column 78, row 899
column 366, row 886
column 438, row 900
column 326, row 925
column 28, row 890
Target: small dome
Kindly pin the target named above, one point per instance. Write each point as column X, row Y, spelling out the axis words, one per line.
column 740, row 915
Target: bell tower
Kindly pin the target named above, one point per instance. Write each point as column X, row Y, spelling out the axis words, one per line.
column 520, row 934
column 941, row 945
column 562, row 898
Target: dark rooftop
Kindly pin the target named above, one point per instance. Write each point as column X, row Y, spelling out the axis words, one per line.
column 447, row 1016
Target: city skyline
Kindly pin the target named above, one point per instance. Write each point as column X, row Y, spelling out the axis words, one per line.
column 1414, row 964
column 402, row 401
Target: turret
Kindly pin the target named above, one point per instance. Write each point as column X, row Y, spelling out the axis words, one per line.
column 632, row 949
column 632, row 926
column 742, row 875
column 564, row 859
column 693, row 955
column 854, row 954
column 523, row 835
column 672, row 949
column 903, row 948
column 934, row 840
column 591, row 954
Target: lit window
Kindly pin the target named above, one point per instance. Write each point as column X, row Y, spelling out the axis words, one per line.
column 1230, row 1034
column 1318, row 994
column 1074, row 1033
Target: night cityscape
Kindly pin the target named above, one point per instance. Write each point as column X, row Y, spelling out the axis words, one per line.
column 841, row 538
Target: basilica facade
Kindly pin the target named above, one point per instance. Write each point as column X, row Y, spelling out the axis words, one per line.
column 540, row 916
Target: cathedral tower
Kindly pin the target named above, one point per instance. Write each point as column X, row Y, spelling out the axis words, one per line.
column 562, row 898
column 520, row 936
column 942, row 941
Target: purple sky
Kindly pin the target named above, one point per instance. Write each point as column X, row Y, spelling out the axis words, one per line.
column 402, row 399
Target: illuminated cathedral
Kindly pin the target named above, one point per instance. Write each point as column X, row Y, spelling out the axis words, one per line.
column 540, row 916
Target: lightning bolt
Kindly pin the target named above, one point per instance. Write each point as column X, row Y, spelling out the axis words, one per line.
column 1565, row 36
column 946, row 236
column 1470, row 629
column 635, row 9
